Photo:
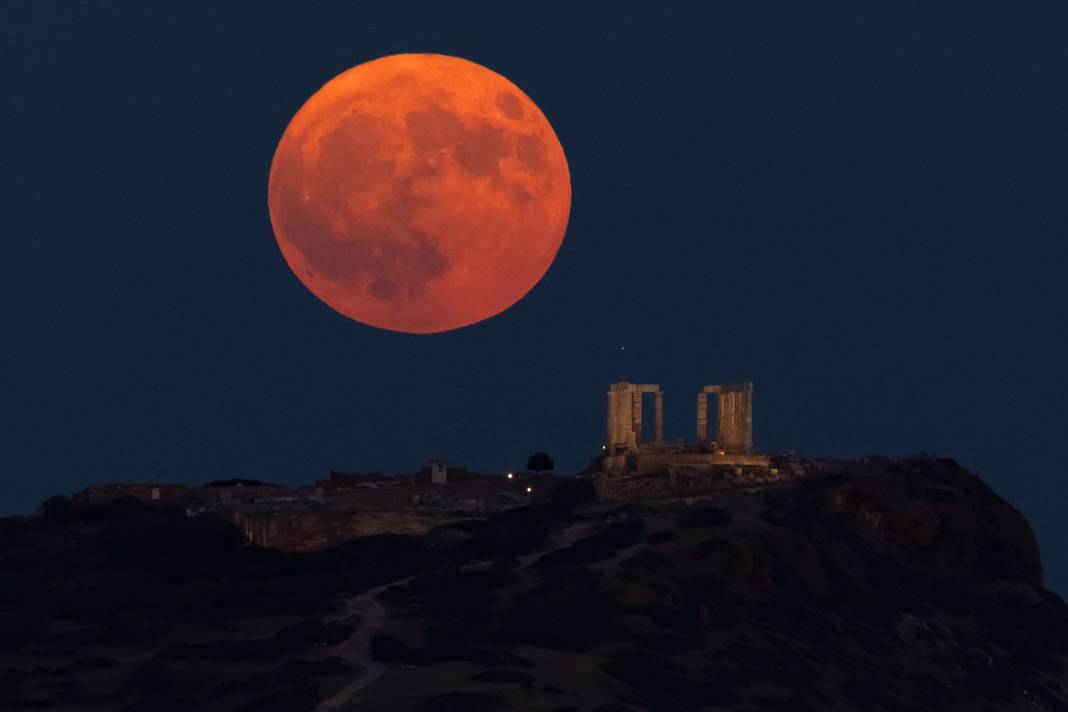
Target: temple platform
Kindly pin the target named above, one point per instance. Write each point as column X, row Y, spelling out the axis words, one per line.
column 649, row 459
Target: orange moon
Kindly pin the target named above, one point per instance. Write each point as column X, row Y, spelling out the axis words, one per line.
column 419, row 193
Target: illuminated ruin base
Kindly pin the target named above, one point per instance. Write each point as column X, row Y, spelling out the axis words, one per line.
column 649, row 459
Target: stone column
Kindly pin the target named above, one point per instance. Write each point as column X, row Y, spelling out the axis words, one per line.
column 621, row 416
column 620, row 412
column 735, row 426
column 722, row 415
column 702, row 418
column 635, row 414
column 611, row 429
column 728, row 421
column 660, row 417
column 724, row 428
column 747, row 418
column 736, row 430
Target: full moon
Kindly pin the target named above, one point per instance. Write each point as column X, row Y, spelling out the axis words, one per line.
column 419, row 193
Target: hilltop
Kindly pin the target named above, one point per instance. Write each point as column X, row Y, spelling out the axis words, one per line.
column 873, row 585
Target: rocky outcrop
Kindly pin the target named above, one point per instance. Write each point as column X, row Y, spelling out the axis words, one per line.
column 315, row 529
column 873, row 586
column 938, row 517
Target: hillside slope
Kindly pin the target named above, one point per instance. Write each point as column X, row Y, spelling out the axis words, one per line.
column 905, row 586
column 891, row 585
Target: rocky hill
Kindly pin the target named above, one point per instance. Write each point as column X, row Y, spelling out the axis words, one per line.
column 902, row 585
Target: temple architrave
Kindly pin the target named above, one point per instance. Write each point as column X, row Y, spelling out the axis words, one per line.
column 627, row 452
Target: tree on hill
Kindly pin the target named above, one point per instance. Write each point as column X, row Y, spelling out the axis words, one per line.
column 58, row 509
column 540, row 462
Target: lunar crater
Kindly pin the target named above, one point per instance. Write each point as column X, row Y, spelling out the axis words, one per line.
column 509, row 105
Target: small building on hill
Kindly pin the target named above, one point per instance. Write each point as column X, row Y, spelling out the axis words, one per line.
column 162, row 493
column 439, row 473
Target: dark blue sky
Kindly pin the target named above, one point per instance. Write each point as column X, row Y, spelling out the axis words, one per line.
column 860, row 206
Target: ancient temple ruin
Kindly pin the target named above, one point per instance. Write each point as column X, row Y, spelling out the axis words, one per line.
column 626, row 450
column 734, row 429
column 625, row 414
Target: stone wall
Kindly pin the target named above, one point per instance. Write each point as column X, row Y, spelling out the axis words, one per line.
column 102, row 494
column 308, row 530
column 318, row 517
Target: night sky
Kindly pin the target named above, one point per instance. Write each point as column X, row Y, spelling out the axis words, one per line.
column 859, row 206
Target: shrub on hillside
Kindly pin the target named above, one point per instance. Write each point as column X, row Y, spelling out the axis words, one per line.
column 661, row 537
column 572, row 492
column 598, row 547
column 648, row 560
column 116, row 510
column 378, row 559
column 321, row 666
column 127, row 630
column 570, row 609
column 165, row 542
column 17, row 630
column 463, row 701
column 58, row 511
column 666, row 685
column 508, row 676
column 184, row 703
column 293, row 640
column 703, row 517
column 285, row 701
column 153, row 678
column 514, row 532
column 98, row 662
column 462, row 596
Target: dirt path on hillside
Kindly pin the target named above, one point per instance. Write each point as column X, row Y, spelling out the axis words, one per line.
column 357, row 649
